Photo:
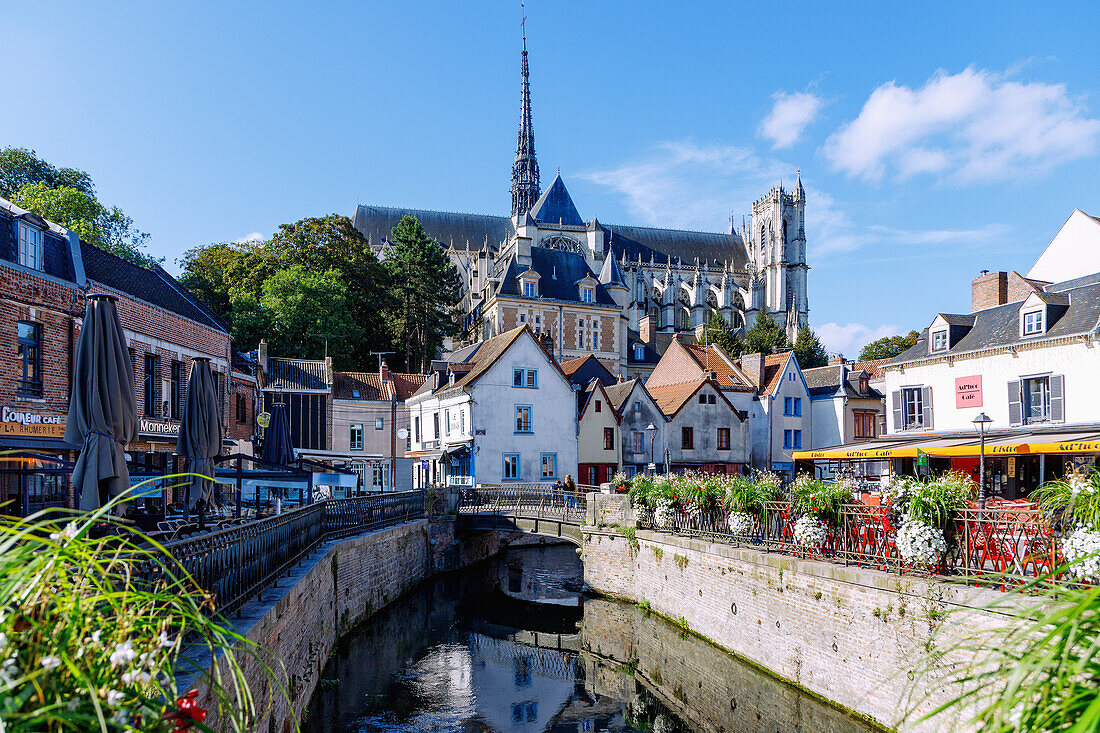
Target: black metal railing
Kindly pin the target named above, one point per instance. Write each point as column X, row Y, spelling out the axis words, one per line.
column 238, row 563
column 537, row 501
column 1001, row 541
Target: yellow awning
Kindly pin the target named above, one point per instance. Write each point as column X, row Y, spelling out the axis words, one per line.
column 1030, row 444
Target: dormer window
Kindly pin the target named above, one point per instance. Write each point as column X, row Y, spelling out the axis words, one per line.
column 939, row 340
column 586, row 295
column 530, row 290
column 864, row 385
column 1033, row 323
column 30, row 246
column 639, row 353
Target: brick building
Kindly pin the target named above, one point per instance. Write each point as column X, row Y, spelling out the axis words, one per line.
column 45, row 274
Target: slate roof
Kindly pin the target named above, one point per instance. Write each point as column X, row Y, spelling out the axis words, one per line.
column 153, row 285
column 291, row 374
column 556, row 206
column 559, row 272
column 589, row 367
column 826, row 381
column 650, row 355
column 611, row 273
column 447, row 227
column 999, row 326
column 957, row 319
column 681, row 244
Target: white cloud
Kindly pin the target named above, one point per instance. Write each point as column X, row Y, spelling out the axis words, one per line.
column 973, row 126
column 850, row 338
column 790, row 115
column 253, row 237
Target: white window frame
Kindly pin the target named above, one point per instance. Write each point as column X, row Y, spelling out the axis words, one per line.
column 1044, row 399
column 530, row 289
column 379, row 423
column 939, row 340
column 586, row 295
column 29, row 246
column 354, row 429
column 1033, row 326
column 918, row 403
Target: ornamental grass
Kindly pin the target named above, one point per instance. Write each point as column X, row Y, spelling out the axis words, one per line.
column 97, row 623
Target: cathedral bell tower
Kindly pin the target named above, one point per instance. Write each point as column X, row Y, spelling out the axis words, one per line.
column 777, row 254
column 525, row 170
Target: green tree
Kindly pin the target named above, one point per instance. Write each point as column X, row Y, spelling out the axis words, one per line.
column 888, row 347
column 426, row 288
column 211, row 271
column 808, row 349
column 20, row 167
column 718, row 332
column 106, row 228
column 297, row 307
column 766, row 336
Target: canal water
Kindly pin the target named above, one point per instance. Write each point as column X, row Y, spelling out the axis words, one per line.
column 513, row 645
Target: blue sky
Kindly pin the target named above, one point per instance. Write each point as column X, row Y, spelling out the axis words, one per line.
column 933, row 143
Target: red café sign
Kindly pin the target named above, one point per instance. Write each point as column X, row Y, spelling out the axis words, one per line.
column 968, row 392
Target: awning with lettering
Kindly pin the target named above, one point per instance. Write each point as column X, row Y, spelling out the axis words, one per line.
column 1005, row 445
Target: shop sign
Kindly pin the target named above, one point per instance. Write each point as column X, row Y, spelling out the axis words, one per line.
column 782, row 466
column 968, row 392
column 922, row 459
column 158, row 428
column 479, row 431
column 16, row 421
column 263, row 419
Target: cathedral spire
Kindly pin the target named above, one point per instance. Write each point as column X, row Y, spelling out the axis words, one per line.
column 525, row 171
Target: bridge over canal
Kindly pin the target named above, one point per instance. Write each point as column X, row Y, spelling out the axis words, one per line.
column 529, row 508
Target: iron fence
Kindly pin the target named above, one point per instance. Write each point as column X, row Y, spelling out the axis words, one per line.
column 542, row 501
column 238, row 563
column 1002, row 541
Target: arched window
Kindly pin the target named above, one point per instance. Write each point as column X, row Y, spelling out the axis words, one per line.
column 685, row 319
column 566, row 244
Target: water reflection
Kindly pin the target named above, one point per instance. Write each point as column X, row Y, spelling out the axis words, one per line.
column 475, row 652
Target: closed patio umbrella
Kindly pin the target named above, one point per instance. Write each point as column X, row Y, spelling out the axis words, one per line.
column 200, row 432
column 102, row 409
column 278, row 447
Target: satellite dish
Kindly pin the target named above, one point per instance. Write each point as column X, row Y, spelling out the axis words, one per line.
column 403, row 433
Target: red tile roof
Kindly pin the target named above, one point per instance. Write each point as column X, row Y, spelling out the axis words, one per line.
column 712, row 358
column 773, row 371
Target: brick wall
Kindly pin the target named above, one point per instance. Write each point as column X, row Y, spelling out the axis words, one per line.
column 989, row 290
column 848, row 634
column 607, row 332
column 675, row 367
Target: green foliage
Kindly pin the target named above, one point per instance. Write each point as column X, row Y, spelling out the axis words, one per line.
column 934, row 502
column 718, row 332
column 298, row 305
column 766, row 336
column 90, row 648
column 750, row 495
column 642, row 490
column 814, row 497
column 210, row 272
column 888, row 347
column 21, row 167
column 808, row 349
column 106, row 228
column 631, row 535
column 1073, row 501
column 1037, row 672
column 426, row 289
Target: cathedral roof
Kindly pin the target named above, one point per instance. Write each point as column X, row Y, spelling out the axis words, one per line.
column 556, row 206
column 611, row 273
column 559, row 272
column 681, row 244
column 447, row 227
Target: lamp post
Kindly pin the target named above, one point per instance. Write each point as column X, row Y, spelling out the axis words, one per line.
column 981, row 424
column 652, row 430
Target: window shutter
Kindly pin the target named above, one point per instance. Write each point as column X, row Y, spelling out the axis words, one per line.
column 1015, row 409
column 899, row 416
column 1057, row 398
column 926, row 398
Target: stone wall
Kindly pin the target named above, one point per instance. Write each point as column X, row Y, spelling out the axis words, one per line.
column 856, row 637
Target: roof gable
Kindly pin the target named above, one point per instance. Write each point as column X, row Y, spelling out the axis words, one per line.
column 595, row 390
column 556, row 206
column 671, row 398
column 1074, row 251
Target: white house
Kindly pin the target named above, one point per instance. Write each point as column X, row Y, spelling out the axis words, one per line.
column 498, row 411
column 780, row 420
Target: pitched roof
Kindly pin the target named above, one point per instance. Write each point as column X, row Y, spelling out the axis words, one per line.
column 871, row 366
column 153, row 285
column 406, row 385
column 478, row 361
column 611, row 273
column 999, row 326
column 295, row 374
column 711, row 357
column 359, row 386
column 447, row 227
column 773, row 371
column 826, row 380
column 556, row 206
column 672, row 397
column 559, row 272
column 585, row 368
column 593, row 387
column 618, row 392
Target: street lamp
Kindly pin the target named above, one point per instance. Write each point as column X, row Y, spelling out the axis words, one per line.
column 981, row 424
column 652, row 430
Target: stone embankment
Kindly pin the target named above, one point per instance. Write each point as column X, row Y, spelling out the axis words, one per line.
column 862, row 639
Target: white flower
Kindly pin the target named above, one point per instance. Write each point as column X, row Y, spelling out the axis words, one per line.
column 51, row 661
column 920, row 544
column 1082, row 550
column 123, row 654
column 810, row 531
column 739, row 523
column 114, row 698
column 136, row 675
column 661, row 724
column 663, row 514
column 164, row 641
column 68, row 533
column 121, row 717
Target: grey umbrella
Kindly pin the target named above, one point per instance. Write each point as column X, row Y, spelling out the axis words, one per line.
column 200, row 432
column 278, row 447
column 102, row 409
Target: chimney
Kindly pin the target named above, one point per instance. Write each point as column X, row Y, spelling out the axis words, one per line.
column 988, row 289
column 753, row 367
column 261, row 355
column 836, row 360
column 383, row 370
column 647, row 327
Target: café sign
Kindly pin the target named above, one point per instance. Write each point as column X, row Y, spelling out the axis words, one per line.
column 17, row 421
column 968, row 392
column 158, row 428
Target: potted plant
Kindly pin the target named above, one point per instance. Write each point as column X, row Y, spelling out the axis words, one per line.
column 1073, row 504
